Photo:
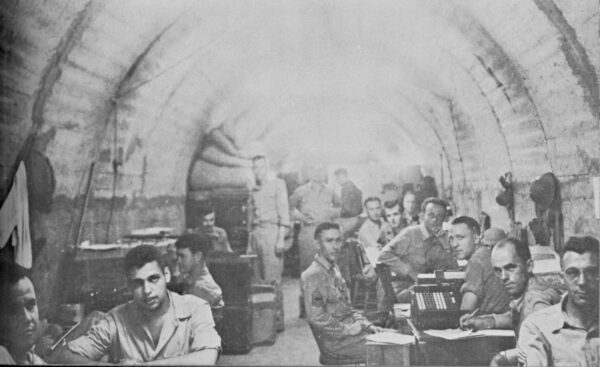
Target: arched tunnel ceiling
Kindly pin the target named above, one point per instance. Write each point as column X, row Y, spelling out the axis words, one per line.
column 414, row 79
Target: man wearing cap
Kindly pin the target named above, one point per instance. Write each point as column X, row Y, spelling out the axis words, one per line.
column 419, row 249
column 566, row 334
column 512, row 264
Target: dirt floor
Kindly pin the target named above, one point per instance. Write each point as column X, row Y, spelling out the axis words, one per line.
column 294, row 346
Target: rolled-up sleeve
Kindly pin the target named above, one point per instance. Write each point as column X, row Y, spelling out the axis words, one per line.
column 202, row 329
column 393, row 255
column 97, row 341
column 474, row 279
column 532, row 346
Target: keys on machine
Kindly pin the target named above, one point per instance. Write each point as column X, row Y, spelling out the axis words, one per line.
column 435, row 300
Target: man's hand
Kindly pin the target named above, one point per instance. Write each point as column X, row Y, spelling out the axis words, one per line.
column 355, row 329
column 477, row 322
column 279, row 247
column 502, row 359
column 374, row 329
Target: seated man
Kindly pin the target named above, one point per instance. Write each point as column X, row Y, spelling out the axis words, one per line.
column 482, row 292
column 372, row 233
column 156, row 327
column 19, row 320
column 418, row 249
column 566, row 334
column 393, row 215
column 512, row 263
column 492, row 236
column 191, row 251
column 410, row 213
column 207, row 226
column 339, row 331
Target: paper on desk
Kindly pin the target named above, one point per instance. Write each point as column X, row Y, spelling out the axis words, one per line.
column 391, row 338
column 455, row 334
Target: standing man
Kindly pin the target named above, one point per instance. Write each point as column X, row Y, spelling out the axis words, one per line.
column 270, row 223
column 566, row 334
column 372, row 233
column 512, row 264
column 191, row 254
column 339, row 330
column 310, row 204
column 418, row 249
column 207, row 226
column 19, row 319
column 155, row 327
column 482, row 291
column 410, row 213
column 351, row 198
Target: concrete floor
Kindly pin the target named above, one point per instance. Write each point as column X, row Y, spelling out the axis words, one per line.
column 294, row 346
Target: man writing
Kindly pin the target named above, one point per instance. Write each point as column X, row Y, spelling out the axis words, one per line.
column 566, row 334
column 512, row 264
column 19, row 319
column 156, row 327
column 338, row 329
column 418, row 249
column 482, row 291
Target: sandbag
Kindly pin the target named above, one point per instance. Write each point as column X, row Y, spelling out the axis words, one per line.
column 214, row 155
column 206, row 176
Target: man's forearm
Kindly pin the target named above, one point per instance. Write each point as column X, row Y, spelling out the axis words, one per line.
column 206, row 357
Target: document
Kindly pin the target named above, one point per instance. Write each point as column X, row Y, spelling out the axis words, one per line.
column 456, row 334
column 387, row 337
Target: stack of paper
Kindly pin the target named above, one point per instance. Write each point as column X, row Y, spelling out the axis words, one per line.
column 387, row 337
column 455, row 334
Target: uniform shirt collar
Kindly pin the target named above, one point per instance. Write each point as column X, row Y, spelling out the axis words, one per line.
column 561, row 320
column 427, row 235
column 326, row 264
column 179, row 307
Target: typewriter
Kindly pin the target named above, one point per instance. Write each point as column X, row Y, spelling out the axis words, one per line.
column 435, row 300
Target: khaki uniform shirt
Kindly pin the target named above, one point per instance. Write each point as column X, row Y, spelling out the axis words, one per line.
column 480, row 280
column 219, row 236
column 270, row 201
column 318, row 204
column 30, row 358
column 188, row 327
column 372, row 237
column 549, row 338
column 415, row 251
column 205, row 287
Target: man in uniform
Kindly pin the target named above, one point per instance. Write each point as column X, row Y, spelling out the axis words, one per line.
column 393, row 215
column 482, row 291
column 351, row 199
column 207, row 226
column 418, row 249
column 270, row 223
column 191, row 251
column 339, row 330
column 512, row 264
column 410, row 212
column 372, row 233
column 19, row 320
column 156, row 327
column 566, row 334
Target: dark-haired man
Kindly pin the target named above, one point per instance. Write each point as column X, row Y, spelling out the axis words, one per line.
column 482, row 290
column 410, row 211
column 19, row 319
column 339, row 330
column 566, row 334
column 372, row 234
column 512, row 264
column 191, row 252
column 156, row 327
column 220, row 242
column 418, row 249
column 393, row 215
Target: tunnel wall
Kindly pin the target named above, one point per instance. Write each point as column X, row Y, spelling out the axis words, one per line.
column 526, row 101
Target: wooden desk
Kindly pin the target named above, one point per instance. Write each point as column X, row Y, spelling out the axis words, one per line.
column 477, row 351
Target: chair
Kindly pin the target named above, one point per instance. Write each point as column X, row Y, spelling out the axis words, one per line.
column 329, row 359
column 360, row 282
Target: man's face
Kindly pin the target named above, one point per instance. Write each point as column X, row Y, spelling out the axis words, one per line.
column 463, row 241
column 330, row 243
column 511, row 270
column 259, row 168
column 149, row 286
column 373, row 209
column 392, row 215
column 341, row 178
column 23, row 320
column 580, row 272
column 317, row 174
column 186, row 260
column 410, row 204
column 208, row 221
column 433, row 217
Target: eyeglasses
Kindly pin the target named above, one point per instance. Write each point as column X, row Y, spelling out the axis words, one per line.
column 590, row 274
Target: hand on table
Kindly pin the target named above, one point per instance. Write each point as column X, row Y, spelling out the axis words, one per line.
column 477, row 322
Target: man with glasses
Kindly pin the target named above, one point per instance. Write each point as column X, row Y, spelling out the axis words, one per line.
column 566, row 334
